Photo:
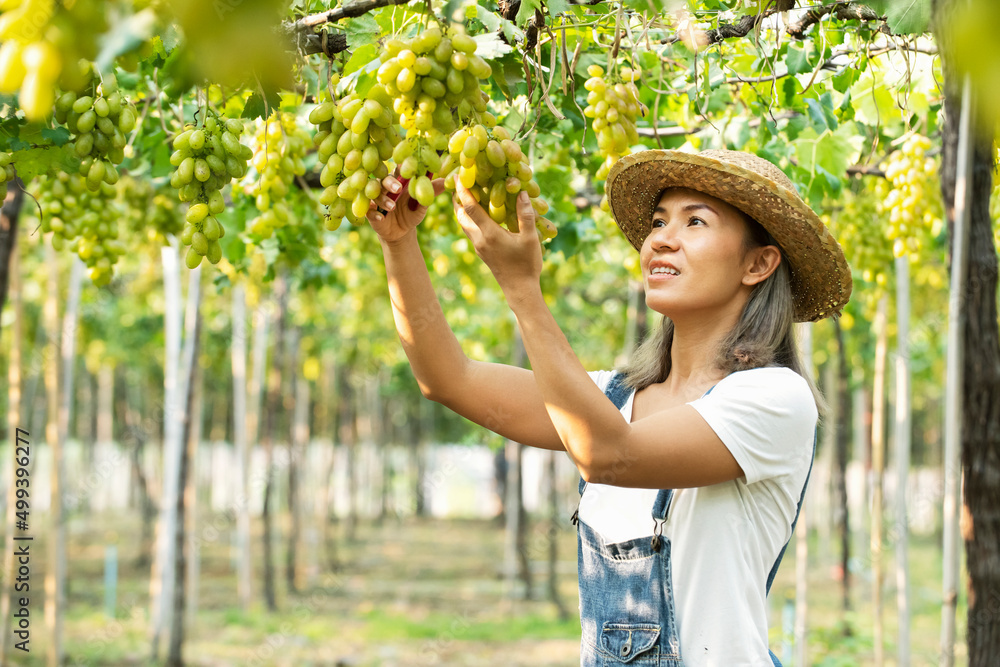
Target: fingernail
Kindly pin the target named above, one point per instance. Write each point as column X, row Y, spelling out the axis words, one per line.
column 395, row 187
column 389, row 205
column 378, row 217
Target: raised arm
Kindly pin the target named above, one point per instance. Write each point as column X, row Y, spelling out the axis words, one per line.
column 504, row 399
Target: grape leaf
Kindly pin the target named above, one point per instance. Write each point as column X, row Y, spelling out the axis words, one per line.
column 31, row 162
column 904, row 17
column 362, row 56
column 57, row 137
column 526, row 11
column 362, row 30
column 126, row 36
column 256, row 107
column 557, row 7
column 797, row 60
column 490, row 46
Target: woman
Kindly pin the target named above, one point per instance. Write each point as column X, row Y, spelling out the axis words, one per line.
column 716, row 404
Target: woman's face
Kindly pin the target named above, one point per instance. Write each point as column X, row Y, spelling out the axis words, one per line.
column 694, row 260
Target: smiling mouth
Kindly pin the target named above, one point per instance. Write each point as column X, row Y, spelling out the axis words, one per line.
column 664, row 270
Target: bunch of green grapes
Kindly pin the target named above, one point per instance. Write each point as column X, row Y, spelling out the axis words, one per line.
column 614, row 105
column 440, row 214
column 279, row 146
column 434, row 82
column 147, row 212
column 355, row 138
column 98, row 120
column 495, row 170
column 909, row 196
column 207, row 158
column 859, row 228
column 42, row 42
column 7, row 172
column 83, row 220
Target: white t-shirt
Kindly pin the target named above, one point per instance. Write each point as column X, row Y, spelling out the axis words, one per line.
column 725, row 537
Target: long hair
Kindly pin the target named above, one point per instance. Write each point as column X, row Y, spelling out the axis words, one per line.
column 763, row 336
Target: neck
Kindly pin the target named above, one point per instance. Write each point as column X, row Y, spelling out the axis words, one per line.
column 695, row 348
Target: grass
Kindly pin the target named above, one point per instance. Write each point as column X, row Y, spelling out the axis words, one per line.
column 424, row 592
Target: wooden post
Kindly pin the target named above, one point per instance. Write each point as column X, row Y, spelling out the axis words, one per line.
column 902, row 456
column 14, row 421
column 878, row 466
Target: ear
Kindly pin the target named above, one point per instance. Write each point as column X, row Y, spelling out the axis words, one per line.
column 761, row 263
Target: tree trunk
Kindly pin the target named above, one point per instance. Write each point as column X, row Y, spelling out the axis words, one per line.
column 840, row 477
column 136, row 436
column 10, row 215
column 105, row 403
column 980, row 355
column 184, row 466
column 349, row 437
column 14, row 425
column 238, row 357
column 802, row 532
column 270, row 427
column 902, row 455
column 553, row 534
column 878, row 465
column 298, row 438
column 517, row 564
column 425, row 409
column 162, row 582
column 326, row 515
column 189, row 483
column 55, row 578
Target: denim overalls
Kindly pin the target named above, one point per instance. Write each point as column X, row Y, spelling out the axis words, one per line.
column 627, row 614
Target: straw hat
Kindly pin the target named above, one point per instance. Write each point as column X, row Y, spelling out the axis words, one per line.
column 821, row 279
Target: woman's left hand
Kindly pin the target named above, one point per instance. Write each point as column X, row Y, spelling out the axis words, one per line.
column 514, row 258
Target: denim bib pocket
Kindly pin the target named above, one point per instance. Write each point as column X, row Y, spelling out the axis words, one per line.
column 630, row 643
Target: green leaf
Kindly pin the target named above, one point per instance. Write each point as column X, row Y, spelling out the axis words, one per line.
column 821, row 113
column 490, row 46
column 797, row 60
column 526, row 11
column 58, row 136
column 557, row 7
column 126, row 36
column 256, row 107
column 32, row 162
column 362, row 30
column 904, row 17
column 361, row 57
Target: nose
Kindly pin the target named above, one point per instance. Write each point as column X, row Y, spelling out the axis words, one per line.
column 663, row 237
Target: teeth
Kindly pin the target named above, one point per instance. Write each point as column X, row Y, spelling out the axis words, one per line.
column 663, row 269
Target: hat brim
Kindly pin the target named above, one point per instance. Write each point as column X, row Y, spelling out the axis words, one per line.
column 821, row 278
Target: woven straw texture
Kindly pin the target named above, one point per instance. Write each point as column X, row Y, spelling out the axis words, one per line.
column 821, row 279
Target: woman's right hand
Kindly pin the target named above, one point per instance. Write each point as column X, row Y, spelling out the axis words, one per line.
column 402, row 215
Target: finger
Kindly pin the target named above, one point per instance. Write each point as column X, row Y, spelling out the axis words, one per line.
column 470, row 207
column 391, row 184
column 374, row 216
column 384, row 202
column 525, row 212
column 438, row 184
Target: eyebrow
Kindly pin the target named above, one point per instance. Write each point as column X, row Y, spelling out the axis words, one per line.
column 689, row 207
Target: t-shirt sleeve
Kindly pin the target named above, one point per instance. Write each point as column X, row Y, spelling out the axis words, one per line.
column 601, row 378
column 766, row 417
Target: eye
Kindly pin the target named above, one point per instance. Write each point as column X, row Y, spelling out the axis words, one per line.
column 659, row 222
column 694, row 221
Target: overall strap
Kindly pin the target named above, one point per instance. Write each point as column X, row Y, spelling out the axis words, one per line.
column 618, row 392
column 802, row 495
column 662, row 504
